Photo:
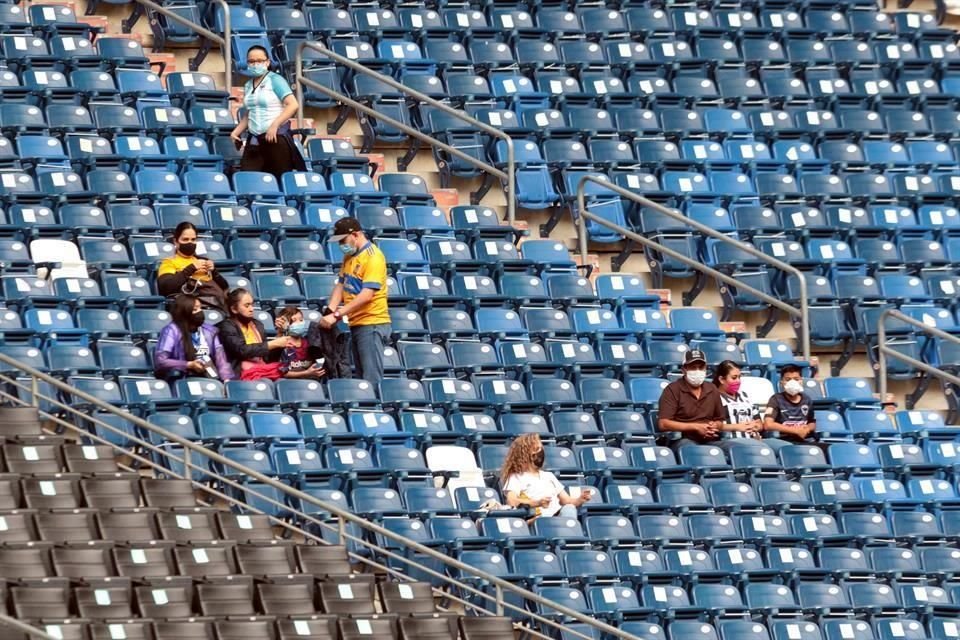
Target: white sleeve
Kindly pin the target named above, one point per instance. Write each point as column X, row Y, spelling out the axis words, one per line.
column 552, row 479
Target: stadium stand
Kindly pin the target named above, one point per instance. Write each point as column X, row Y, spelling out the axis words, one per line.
column 823, row 133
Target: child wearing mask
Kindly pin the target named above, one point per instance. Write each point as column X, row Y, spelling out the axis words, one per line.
column 790, row 412
column 296, row 360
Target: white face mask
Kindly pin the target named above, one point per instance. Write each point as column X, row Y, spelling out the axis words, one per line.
column 793, row 387
column 696, row 378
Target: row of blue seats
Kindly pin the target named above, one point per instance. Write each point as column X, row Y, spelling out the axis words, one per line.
column 466, row 222
column 724, row 604
column 85, row 151
column 18, row 118
column 353, row 466
column 553, row 22
column 732, row 183
column 71, row 48
column 889, row 628
column 401, row 255
column 413, row 291
column 768, row 124
column 660, row 84
column 783, row 525
column 610, row 153
column 475, row 52
column 41, row 19
column 875, row 252
column 880, row 450
column 800, row 220
column 571, row 566
column 154, row 186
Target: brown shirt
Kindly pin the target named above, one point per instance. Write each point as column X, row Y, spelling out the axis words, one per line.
column 677, row 402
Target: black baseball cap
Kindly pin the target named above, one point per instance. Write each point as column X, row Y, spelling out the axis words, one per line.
column 694, row 355
column 344, row 227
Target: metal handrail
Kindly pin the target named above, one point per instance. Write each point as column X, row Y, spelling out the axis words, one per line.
column 223, row 41
column 342, row 533
column 501, row 586
column 803, row 312
column 509, row 176
column 883, row 350
column 33, row 632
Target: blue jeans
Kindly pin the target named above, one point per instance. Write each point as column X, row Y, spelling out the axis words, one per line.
column 367, row 343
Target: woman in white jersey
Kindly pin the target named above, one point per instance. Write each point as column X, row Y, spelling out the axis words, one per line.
column 269, row 103
column 743, row 417
column 526, row 484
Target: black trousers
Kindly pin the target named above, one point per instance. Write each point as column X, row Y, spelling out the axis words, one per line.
column 272, row 157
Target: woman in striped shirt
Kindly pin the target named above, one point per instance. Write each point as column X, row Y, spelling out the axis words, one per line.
column 743, row 417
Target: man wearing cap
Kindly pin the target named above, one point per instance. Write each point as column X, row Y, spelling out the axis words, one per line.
column 691, row 406
column 362, row 288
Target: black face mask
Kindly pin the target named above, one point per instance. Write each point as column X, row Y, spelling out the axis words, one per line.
column 188, row 248
column 197, row 319
column 538, row 459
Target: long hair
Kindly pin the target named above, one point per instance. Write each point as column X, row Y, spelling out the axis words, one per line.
column 181, row 313
column 723, row 370
column 520, row 456
column 233, row 299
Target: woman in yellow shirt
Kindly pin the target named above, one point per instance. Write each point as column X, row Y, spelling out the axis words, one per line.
column 186, row 272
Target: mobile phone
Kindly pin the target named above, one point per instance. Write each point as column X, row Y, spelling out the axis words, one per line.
column 211, row 371
column 238, row 144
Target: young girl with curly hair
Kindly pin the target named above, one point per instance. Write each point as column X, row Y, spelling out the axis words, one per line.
column 525, row 483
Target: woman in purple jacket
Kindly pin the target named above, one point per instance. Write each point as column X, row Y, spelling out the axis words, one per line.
column 190, row 347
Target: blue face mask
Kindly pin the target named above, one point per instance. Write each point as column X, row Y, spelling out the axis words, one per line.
column 258, row 70
column 347, row 249
column 298, row 329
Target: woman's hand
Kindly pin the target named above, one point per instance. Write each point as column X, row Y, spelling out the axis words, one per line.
column 196, row 366
column 543, row 502
column 281, row 323
column 584, row 497
column 272, row 134
column 281, row 343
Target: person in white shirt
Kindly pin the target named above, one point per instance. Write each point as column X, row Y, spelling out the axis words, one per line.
column 525, row 483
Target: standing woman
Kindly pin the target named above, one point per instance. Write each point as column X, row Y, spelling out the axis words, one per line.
column 269, row 103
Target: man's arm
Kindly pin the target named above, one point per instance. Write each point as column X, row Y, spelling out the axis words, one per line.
column 336, row 296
